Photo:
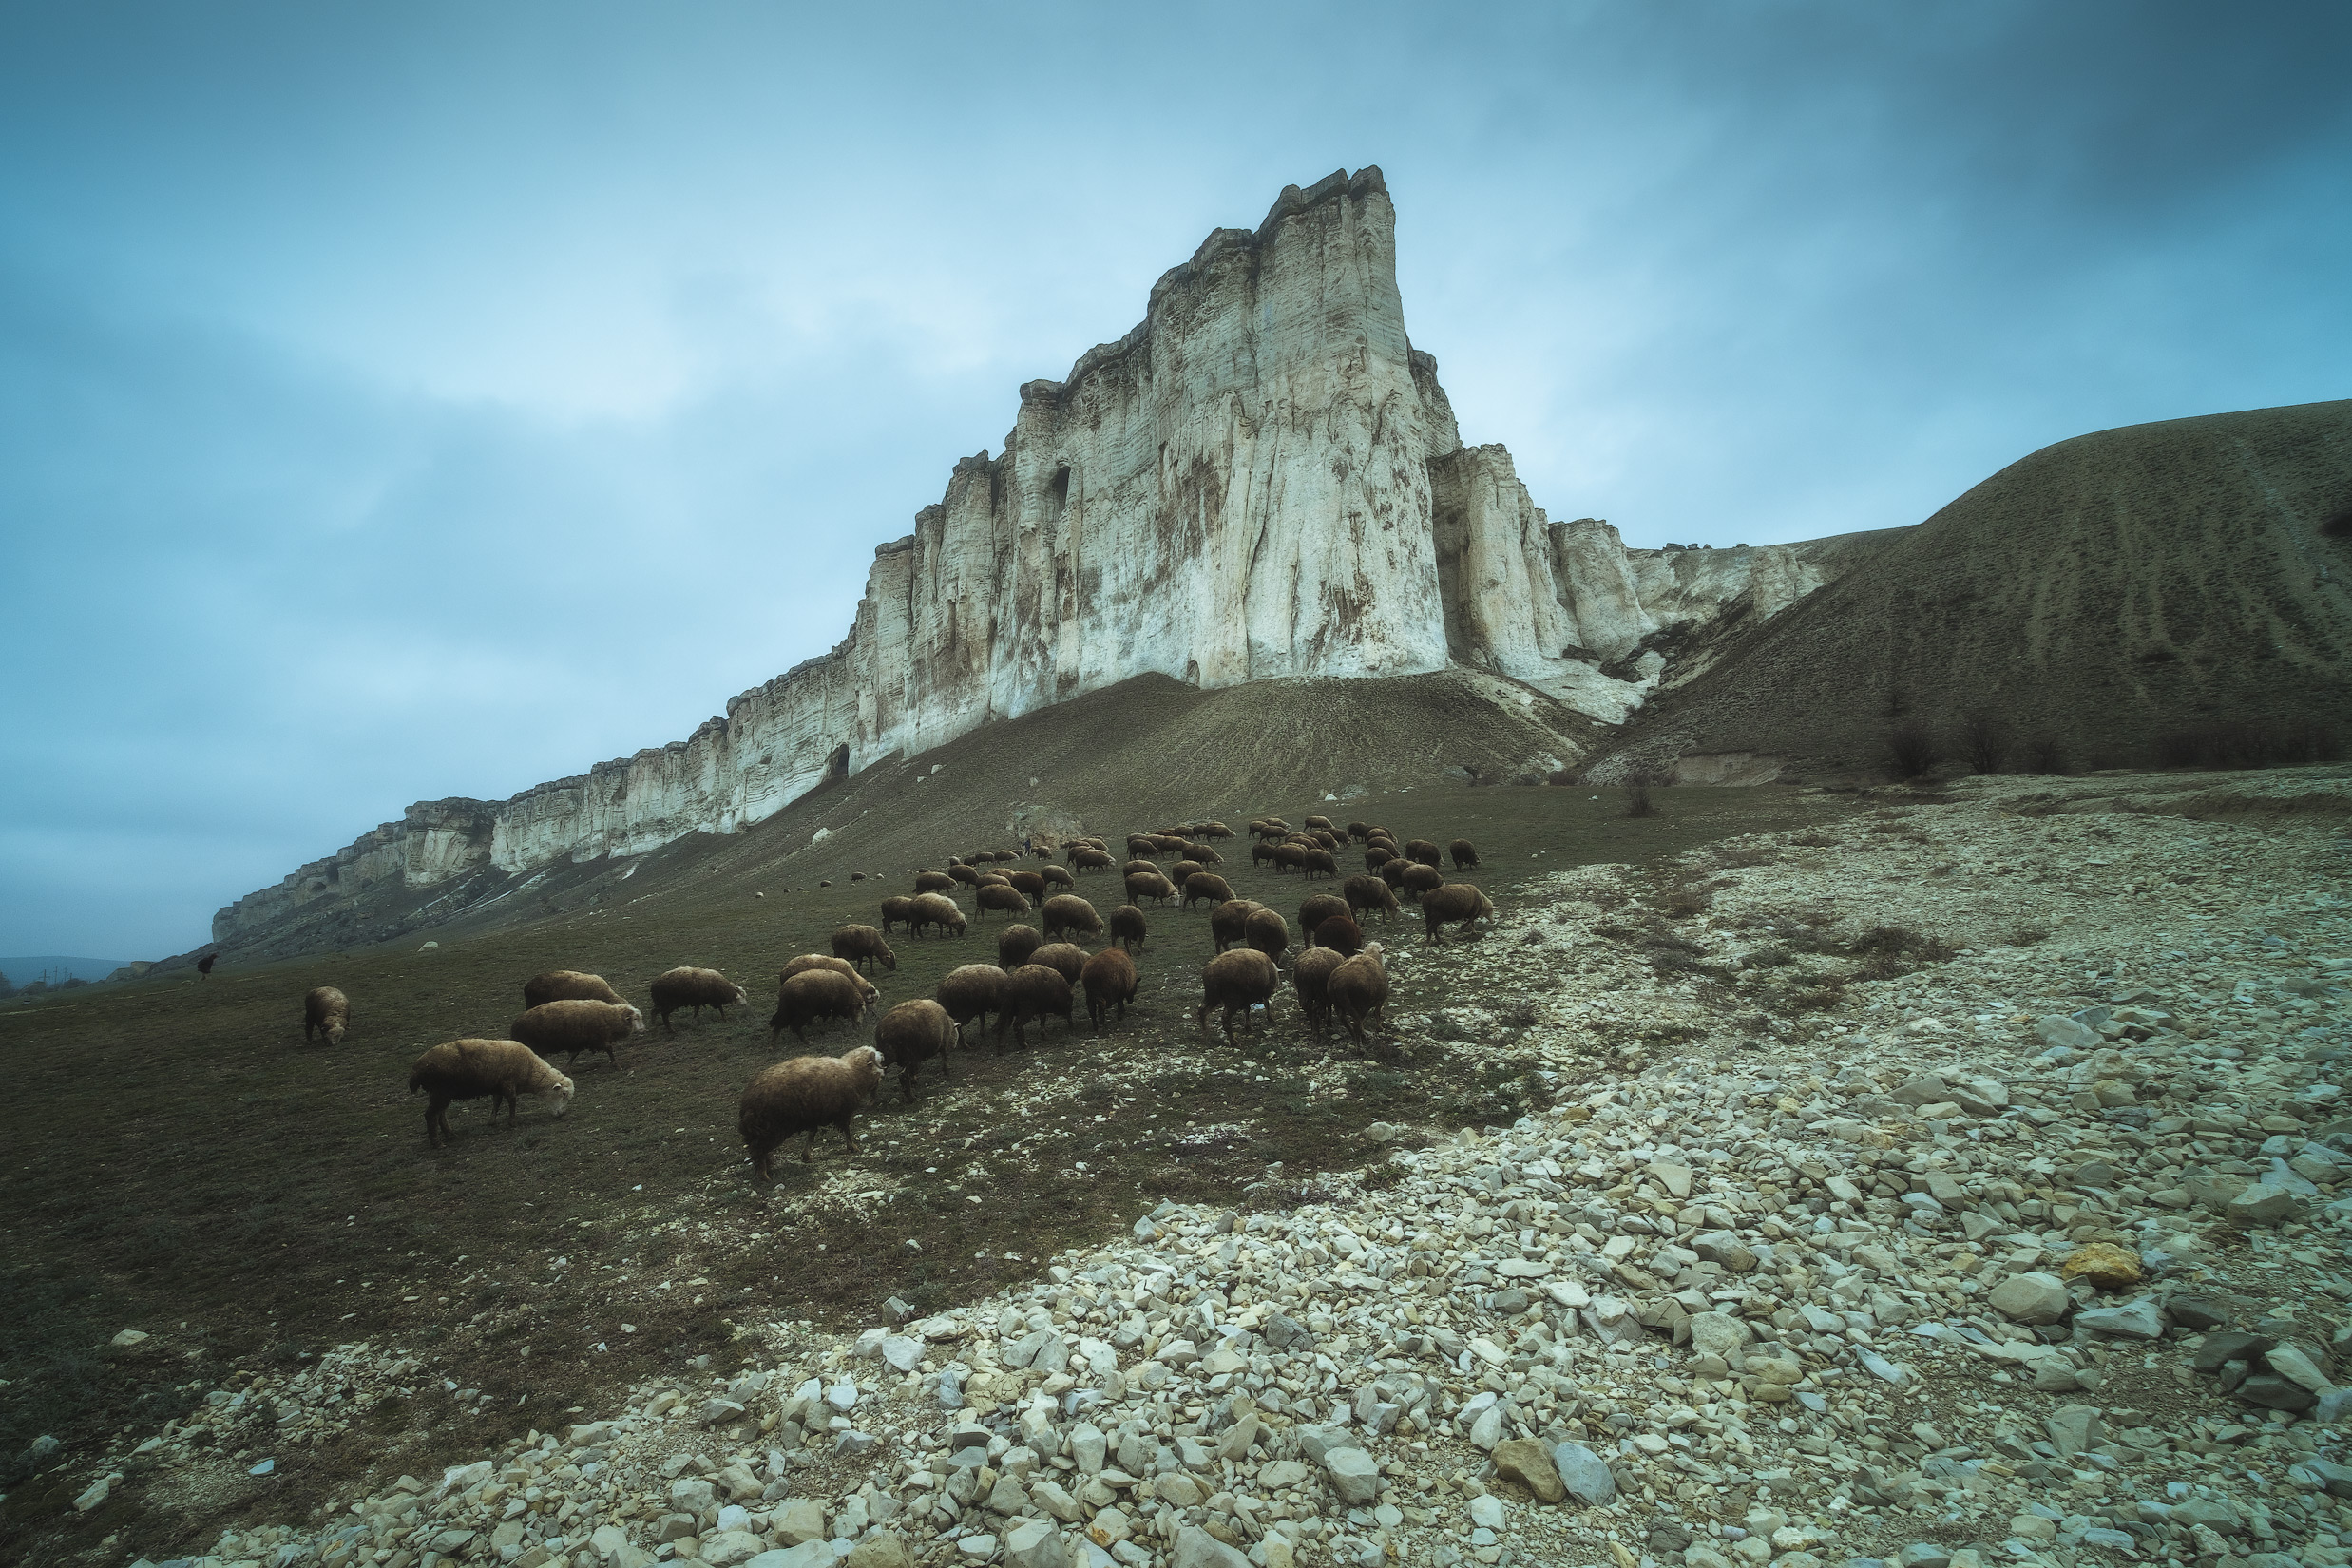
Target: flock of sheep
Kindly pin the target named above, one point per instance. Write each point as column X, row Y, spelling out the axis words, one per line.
column 1039, row 973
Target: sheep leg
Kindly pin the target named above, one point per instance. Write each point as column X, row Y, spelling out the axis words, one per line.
column 808, row 1147
column 845, row 1136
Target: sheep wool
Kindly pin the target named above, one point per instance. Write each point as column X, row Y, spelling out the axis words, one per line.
column 499, row 1070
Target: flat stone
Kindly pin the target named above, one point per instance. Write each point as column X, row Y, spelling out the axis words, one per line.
column 1486, row 1512
column 1583, row 1474
column 2258, row 1206
column 1727, row 1248
column 1354, row 1475
column 1196, row 1548
column 2291, row 1364
column 902, row 1352
column 1924, row 1554
column 2074, row 1429
column 1034, row 1543
column 2198, row 1313
column 1719, row 1334
column 2275, row 1392
column 799, row 1520
column 2139, row 1319
column 1526, row 1461
column 2030, row 1298
column 1486, row 1431
column 814, row 1554
column 2059, row 1030
column 882, row 1550
column 725, row 1548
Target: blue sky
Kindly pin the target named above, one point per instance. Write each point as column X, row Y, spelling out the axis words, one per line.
column 400, row 402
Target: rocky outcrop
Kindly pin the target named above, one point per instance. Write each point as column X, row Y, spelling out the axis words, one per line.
column 1262, row 480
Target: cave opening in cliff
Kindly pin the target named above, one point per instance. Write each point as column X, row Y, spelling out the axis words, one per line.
column 1057, row 494
column 838, row 765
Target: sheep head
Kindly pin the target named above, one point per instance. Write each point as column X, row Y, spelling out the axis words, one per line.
column 637, row 1022
column 558, row 1097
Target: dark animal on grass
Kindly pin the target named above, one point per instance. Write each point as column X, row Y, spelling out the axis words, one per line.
column 1140, row 868
column 1316, row 908
column 1028, row 884
column 1457, row 903
column 938, row 882
column 687, row 987
column 577, row 1025
column 803, row 1095
column 936, row 909
column 1213, row 830
column 326, row 1011
column 1090, row 860
column 1420, row 880
column 1142, row 846
column 1229, row 922
column 1206, row 885
column 959, row 873
column 1288, row 857
column 911, row 1034
column 1392, row 871
column 1236, row 981
column 1341, row 931
column 1002, row 898
column 1127, row 928
column 1358, row 831
column 897, row 911
column 203, row 971
column 863, row 946
column 1464, row 852
column 1057, row 876
column 971, row 993
column 839, row 966
column 1015, row 944
column 993, row 878
column 1268, row 932
column 1325, row 840
column 1369, row 892
column 1308, row 975
column 1425, row 851
column 1262, row 853
column 811, row 996
column 1358, row 989
column 1202, row 854
column 568, row 986
column 1034, row 992
column 1069, row 912
column 1109, row 980
column 1377, row 856
column 1317, row 824
column 1183, row 868
column 1150, row 885
column 1066, row 959
column 1319, row 863
column 476, row 1069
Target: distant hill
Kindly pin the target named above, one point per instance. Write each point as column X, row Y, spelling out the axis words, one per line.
column 2122, row 598
column 56, row 970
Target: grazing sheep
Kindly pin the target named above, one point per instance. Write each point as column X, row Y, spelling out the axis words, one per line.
column 1358, row 833
column 936, row 909
column 802, row 1095
column 1150, row 885
column 839, row 966
column 1206, row 885
column 993, row 879
column 897, row 911
column 1203, row 854
column 1230, row 920
column 1268, row 932
column 1002, row 898
column 1318, row 823
column 687, row 987
column 471, row 1069
column 568, row 986
column 1034, row 992
column 1270, row 826
column 1015, row 944
column 814, row 994
column 1309, row 974
column 1178, row 872
column 972, row 992
column 1290, row 857
column 1236, row 981
column 863, row 946
column 1342, row 932
column 1376, row 856
column 936, row 882
column 1316, row 908
column 1358, row 989
column 1142, row 846
column 1109, row 979
column 1457, row 902
column 1420, row 880
column 1028, row 884
column 1261, row 852
column 1319, row 863
column 1464, row 852
column 1423, row 850
column 1216, row 829
column 1369, row 892
column 957, row 872
column 1090, row 860
column 327, row 1011
column 1140, row 868
column 1324, row 841
column 1067, row 959
column 577, row 1025
column 1392, row 871
column 1127, row 926
column 1069, row 912
column 1057, row 876
column 911, row 1034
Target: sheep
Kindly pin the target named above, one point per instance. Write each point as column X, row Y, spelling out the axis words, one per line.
column 972, row 991
column 1268, row 932
column 1230, row 920
column 1270, row 827
column 1342, row 932
column 568, row 986
column 1033, row 991
column 1377, row 856
column 1316, row 908
column 326, row 1011
column 937, row 882
column 1420, row 880
column 957, row 872
column 1150, row 885
column 1069, row 912
column 814, row 994
column 1369, row 892
column 471, row 1069
column 1184, row 870
column 1206, row 885
column 1318, row 823
column 1392, row 871
column 1090, row 860
column 1358, row 833
column 687, row 987
column 1057, row 876
column 993, row 878
column 802, row 1095
column 1236, row 981
column 936, row 909
column 1202, row 854
column 1015, row 944
column 1423, row 850
column 1029, row 884
column 863, row 946
column 911, row 1034
column 1308, row 973
column 1216, row 829
column 1109, row 979
column 1066, row 959
column 1464, row 852
column 1324, row 838
column 577, row 1025
column 1288, row 857
column 1140, row 868
column 1142, row 846
column 1358, row 989
column 839, row 966
column 1321, row 863
column 1003, row 898
column 1127, row 926
column 1458, row 902
column 1261, row 852
column 897, row 911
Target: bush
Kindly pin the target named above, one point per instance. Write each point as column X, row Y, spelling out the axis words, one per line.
column 1640, row 782
column 2044, row 754
column 1986, row 740
column 1910, row 750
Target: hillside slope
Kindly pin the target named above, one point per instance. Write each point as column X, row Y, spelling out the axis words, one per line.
column 2101, row 594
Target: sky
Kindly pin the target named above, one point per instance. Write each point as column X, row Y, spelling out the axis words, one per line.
column 404, row 402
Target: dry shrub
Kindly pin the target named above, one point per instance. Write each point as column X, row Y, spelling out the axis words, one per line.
column 1887, row 951
column 1910, row 750
column 1986, row 738
column 2044, row 754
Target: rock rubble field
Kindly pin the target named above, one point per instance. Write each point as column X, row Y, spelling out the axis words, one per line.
column 1963, row 1186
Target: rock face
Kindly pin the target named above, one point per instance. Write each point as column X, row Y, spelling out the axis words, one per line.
column 1262, row 480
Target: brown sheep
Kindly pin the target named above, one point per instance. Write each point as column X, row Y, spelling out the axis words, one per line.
column 1423, row 850
column 993, row 879
column 898, row 912
column 1270, row 827
column 1015, row 944
column 937, row 882
column 936, row 909
column 1325, row 840
column 972, row 992
column 802, row 1095
column 1340, row 931
column 1184, row 870
column 1034, row 992
column 1262, row 853
column 1320, row 863
column 569, row 985
column 1109, row 979
column 1216, row 829
column 1127, row 926
column 1318, row 823
column 1069, row 912
column 1369, row 892
column 1456, row 903
column 1150, row 885
column 1206, row 885
column 839, row 966
column 1230, row 921
column 863, row 946
column 1057, row 876
column 1090, row 860
column 1141, row 846
column 1316, row 908
column 911, row 1034
column 1236, row 981
column 1066, row 959
column 1308, row 976
column 327, row 1011
column 1358, row 989
column 577, row 1025
column 1288, row 857
column 1029, row 884
column 473, row 1069
column 687, row 987
column 1268, row 933
column 1421, row 879
column 1464, row 852
column 1003, row 898
column 1140, row 868
column 814, row 994
column 1392, row 871
column 1358, row 833
column 1203, row 856
column 957, row 872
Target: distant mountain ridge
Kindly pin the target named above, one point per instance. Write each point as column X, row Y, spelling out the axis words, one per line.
column 23, row 972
